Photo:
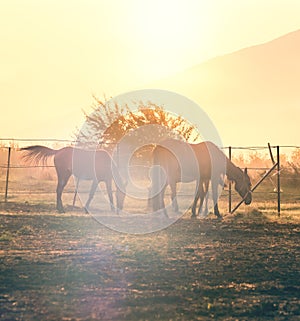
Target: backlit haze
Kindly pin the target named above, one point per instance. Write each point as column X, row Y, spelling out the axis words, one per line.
column 56, row 54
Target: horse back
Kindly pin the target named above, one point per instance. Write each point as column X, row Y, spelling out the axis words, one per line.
column 180, row 165
column 84, row 164
column 211, row 160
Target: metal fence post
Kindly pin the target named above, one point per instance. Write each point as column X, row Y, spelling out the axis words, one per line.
column 278, row 181
column 229, row 187
column 7, row 174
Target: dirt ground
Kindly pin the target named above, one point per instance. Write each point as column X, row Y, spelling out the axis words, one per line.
column 69, row 267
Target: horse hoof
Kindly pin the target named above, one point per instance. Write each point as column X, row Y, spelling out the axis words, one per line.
column 86, row 210
column 116, row 211
column 61, row 210
column 163, row 212
column 193, row 216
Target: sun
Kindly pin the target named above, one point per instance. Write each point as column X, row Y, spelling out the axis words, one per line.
column 161, row 22
column 165, row 32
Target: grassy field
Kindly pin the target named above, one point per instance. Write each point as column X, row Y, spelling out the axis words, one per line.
column 70, row 267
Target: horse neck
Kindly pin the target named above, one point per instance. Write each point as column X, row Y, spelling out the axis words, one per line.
column 233, row 172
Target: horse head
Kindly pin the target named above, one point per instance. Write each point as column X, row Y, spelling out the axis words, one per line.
column 243, row 187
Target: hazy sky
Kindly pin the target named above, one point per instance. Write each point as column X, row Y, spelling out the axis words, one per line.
column 55, row 54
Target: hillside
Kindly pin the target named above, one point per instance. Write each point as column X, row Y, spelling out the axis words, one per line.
column 254, row 90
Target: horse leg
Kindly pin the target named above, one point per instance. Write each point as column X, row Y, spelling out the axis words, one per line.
column 204, row 196
column 159, row 202
column 215, row 184
column 216, row 211
column 110, row 195
column 76, row 191
column 158, row 191
column 91, row 195
column 150, row 198
column 174, row 196
column 62, row 181
column 162, row 201
column 197, row 196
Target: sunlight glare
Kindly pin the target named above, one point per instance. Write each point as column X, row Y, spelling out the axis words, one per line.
column 165, row 31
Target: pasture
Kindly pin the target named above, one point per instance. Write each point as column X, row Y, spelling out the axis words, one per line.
column 70, row 267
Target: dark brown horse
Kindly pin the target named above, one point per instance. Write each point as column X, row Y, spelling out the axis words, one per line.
column 96, row 166
column 175, row 161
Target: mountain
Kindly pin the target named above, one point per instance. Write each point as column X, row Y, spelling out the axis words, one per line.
column 252, row 95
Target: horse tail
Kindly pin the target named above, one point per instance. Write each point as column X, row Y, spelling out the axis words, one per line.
column 38, row 154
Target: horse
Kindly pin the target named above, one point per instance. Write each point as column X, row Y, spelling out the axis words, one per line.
column 175, row 161
column 95, row 166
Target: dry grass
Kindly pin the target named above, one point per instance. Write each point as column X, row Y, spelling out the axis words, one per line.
column 69, row 267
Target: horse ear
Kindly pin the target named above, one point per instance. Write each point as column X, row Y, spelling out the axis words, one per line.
column 246, row 170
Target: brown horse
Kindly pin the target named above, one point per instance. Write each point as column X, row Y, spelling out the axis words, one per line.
column 175, row 161
column 83, row 164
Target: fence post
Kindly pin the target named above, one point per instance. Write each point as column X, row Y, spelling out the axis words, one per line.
column 278, row 181
column 271, row 154
column 229, row 187
column 7, row 174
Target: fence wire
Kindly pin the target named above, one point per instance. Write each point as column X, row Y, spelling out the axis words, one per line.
column 11, row 181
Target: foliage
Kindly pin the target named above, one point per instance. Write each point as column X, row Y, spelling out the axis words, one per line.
column 295, row 161
column 110, row 122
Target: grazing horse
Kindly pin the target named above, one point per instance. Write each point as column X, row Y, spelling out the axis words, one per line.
column 176, row 161
column 96, row 166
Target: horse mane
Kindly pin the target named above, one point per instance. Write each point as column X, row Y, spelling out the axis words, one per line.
column 233, row 172
column 37, row 154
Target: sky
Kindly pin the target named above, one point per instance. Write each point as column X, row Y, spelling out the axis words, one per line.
column 56, row 54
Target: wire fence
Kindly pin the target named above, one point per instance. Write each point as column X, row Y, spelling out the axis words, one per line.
column 281, row 184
